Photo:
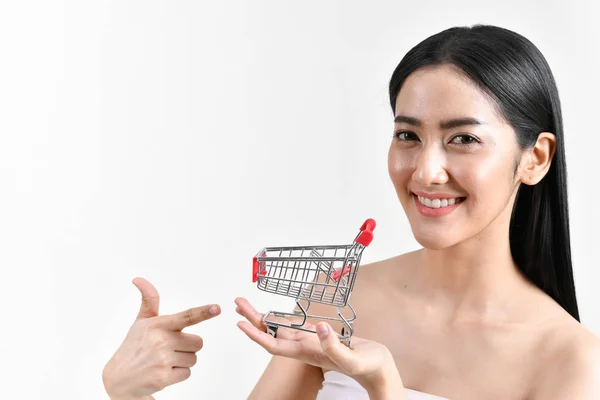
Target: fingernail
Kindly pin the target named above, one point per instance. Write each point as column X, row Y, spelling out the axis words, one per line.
column 213, row 310
column 322, row 331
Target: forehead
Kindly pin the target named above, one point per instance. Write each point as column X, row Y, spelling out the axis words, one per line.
column 443, row 92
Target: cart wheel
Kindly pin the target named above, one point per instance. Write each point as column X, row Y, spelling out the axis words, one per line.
column 272, row 330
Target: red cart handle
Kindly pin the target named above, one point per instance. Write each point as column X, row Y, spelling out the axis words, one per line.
column 256, row 270
column 368, row 225
column 366, row 235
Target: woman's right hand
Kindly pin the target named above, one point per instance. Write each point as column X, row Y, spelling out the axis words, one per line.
column 155, row 353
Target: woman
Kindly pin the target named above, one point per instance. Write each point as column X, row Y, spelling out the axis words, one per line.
column 487, row 309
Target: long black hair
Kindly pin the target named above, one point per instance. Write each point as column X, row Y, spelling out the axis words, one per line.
column 515, row 74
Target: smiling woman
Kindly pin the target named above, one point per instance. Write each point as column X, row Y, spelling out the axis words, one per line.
column 487, row 308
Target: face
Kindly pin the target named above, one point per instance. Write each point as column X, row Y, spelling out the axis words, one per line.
column 455, row 180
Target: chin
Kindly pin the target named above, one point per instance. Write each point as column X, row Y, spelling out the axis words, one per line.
column 434, row 240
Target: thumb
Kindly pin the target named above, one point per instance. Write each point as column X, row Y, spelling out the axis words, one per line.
column 150, row 298
column 333, row 348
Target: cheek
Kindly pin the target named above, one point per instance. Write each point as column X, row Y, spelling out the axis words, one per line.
column 400, row 166
column 485, row 179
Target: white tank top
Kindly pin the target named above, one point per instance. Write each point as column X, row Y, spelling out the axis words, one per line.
column 337, row 386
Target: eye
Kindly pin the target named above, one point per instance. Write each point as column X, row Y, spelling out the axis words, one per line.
column 464, row 140
column 406, row 136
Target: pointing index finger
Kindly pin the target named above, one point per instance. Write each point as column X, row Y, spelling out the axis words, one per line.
column 192, row 316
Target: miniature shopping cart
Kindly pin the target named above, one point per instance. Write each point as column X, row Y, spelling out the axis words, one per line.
column 315, row 274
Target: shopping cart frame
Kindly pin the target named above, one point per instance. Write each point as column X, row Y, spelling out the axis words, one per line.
column 313, row 274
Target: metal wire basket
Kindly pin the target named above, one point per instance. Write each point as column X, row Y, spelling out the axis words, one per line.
column 315, row 274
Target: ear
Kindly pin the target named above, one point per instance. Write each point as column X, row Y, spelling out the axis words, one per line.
column 536, row 161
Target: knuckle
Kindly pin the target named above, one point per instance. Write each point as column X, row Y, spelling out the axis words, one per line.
column 186, row 373
column 199, row 343
column 159, row 341
column 150, row 300
column 142, row 325
column 194, row 358
column 162, row 359
column 188, row 316
column 150, row 323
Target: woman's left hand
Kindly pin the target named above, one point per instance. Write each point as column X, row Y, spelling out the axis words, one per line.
column 369, row 363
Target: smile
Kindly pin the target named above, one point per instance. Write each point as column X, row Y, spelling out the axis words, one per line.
column 439, row 203
column 438, row 207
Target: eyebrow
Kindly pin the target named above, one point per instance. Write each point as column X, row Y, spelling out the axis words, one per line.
column 449, row 124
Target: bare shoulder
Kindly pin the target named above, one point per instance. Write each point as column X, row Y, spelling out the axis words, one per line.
column 380, row 280
column 372, row 282
column 384, row 270
column 570, row 366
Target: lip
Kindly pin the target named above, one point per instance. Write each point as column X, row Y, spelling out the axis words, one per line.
column 434, row 196
column 435, row 212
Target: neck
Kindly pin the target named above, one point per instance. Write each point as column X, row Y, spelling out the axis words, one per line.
column 473, row 280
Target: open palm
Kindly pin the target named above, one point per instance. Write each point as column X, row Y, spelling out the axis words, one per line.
column 366, row 361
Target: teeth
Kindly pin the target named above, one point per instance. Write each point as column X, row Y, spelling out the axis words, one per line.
column 437, row 203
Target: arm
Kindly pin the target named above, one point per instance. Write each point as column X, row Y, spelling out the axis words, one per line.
column 300, row 355
column 389, row 387
column 286, row 378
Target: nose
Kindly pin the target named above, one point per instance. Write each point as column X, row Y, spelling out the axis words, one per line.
column 429, row 168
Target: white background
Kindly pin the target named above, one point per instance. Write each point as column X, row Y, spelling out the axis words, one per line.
column 172, row 140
